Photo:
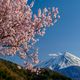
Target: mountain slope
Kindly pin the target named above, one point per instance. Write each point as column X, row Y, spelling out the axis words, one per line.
column 60, row 61
column 9, row 71
column 67, row 64
column 72, row 71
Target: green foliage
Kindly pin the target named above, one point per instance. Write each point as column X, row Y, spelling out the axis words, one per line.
column 9, row 71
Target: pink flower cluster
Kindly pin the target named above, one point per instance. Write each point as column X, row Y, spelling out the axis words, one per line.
column 19, row 27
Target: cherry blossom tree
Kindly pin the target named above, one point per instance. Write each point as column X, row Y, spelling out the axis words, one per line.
column 20, row 28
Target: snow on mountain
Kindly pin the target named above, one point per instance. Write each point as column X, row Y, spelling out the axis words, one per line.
column 60, row 61
column 64, row 63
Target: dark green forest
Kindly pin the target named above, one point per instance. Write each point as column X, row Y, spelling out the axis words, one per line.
column 10, row 71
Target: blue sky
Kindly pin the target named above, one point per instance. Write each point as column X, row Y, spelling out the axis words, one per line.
column 65, row 35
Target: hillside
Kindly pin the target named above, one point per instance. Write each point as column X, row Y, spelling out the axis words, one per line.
column 9, row 71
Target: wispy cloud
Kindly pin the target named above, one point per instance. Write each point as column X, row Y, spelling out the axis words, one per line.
column 53, row 55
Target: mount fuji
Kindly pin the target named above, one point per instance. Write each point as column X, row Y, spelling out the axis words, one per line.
column 65, row 63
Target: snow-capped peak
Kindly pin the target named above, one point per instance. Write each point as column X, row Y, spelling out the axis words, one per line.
column 60, row 60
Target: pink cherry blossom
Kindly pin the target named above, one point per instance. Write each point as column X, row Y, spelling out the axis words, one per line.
column 19, row 28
